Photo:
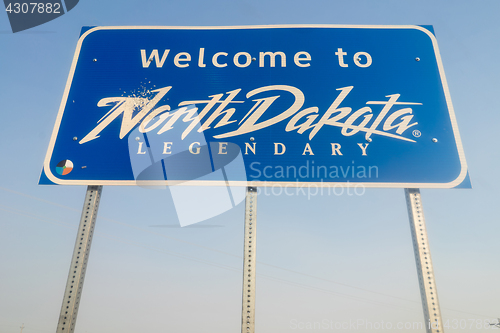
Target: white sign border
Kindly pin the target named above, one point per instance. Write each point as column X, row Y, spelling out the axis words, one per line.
column 461, row 154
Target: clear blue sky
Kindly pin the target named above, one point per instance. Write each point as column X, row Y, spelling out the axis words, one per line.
column 336, row 258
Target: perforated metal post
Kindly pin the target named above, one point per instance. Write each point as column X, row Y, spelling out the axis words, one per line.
column 74, row 285
column 248, row 307
column 425, row 271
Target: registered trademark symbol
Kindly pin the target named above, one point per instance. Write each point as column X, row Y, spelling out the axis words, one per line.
column 416, row 133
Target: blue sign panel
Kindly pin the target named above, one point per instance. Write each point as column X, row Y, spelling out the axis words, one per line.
column 261, row 106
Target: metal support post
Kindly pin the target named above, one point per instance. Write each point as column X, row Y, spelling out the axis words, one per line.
column 74, row 285
column 426, row 278
column 249, row 262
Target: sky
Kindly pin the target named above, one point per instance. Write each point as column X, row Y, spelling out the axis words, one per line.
column 332, row 258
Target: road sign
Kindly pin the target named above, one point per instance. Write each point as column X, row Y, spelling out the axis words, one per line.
column 260, row 105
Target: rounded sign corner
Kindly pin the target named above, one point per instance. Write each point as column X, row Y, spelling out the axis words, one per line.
column 89, row 31
column 426, row 31
column 461, row 178
column 50, row 176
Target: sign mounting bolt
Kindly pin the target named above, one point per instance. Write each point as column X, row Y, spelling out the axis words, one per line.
column 137, row 138
column 434, row 140
column 417, row 59
column 252, row 139
column 94, row 60
column 75, row 138
column 369, row 139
